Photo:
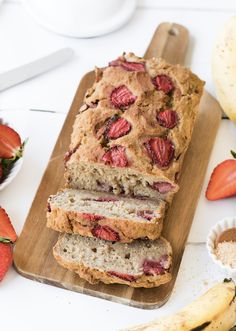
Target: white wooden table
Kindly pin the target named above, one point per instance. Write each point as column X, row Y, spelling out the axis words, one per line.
column 28, row 305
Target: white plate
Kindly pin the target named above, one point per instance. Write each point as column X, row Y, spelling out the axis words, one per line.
column 63, row 18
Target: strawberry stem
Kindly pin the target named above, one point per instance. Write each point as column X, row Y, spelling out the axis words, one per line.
column 233, row 154
column 5, row 240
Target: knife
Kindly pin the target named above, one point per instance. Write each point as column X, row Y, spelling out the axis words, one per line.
column 35, row 68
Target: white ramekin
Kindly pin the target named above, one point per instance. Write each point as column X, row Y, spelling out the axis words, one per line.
column 226, row 223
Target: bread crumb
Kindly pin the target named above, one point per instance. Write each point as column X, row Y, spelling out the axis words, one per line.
column 226, row 253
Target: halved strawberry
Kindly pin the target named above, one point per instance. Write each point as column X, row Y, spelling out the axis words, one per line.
column 91, row 217
column 122, row 97
column 115, row 156
column 160, row 150
column 127, row 277
column 163, row 83
column 10, row 142
column 5, row 259
column 151, row 267
column 162, row 187
column 105, row 233
column 147, row 214
column 167, row 118
column 118, row 128
column 129, row 66
column 7, row 232
column 222, row 183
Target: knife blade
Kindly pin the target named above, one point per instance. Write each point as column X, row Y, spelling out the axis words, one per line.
column 9, row 110
column 34, row 68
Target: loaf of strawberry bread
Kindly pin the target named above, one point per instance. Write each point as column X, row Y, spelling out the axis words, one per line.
column 105, row 216
column 132, row 131
column 142, row 263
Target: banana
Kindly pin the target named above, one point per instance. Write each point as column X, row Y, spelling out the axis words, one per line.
column 215, row 310
column 224, row 68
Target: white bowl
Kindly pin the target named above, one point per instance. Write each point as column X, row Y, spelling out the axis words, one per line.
column 14, row 171
column 81, row 18
column 226, row 223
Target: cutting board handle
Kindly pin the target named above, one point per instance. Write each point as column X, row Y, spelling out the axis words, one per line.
column 170, row 41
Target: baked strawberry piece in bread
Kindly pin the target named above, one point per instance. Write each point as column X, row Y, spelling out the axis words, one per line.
column 142, row 263
column 105, row 216
column 134, row 127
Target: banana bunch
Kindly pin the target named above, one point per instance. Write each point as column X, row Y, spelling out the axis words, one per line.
column 215, row 310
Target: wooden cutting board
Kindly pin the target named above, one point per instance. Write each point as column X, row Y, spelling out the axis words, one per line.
column 33, row 251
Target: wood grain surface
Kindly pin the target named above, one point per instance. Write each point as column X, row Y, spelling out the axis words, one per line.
column 33, row 251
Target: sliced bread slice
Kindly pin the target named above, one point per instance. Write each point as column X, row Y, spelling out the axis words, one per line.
column 143, row 263
column 105, row 216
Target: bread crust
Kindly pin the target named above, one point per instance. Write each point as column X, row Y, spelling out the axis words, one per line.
column 73, row 222
column 94, row 276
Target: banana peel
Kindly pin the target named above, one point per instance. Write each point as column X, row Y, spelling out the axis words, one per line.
column 214, row 310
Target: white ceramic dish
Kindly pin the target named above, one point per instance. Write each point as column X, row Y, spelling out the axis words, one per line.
column 14, row 171
column 226, row 223
column 80, row 18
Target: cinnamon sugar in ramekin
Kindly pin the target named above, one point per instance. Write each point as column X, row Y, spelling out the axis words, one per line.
column 226, row 253
column 223, row 253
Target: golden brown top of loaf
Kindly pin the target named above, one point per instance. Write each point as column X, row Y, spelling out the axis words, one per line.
column 138, row 113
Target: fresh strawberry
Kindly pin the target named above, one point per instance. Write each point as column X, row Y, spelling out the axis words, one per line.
column 161, row 151
column 162, row 187
column 5, row 259
column 10, row 142
column 122, row 97
column 163, row 83
column 91, row 217
column 167, row 118
column 151, row 267
column 128, row 278
column 147, row 214
column 222, row 183
column 7, row 232
column 115, row 156
column 118, row 128
column 105, row 233
column 129, row 66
